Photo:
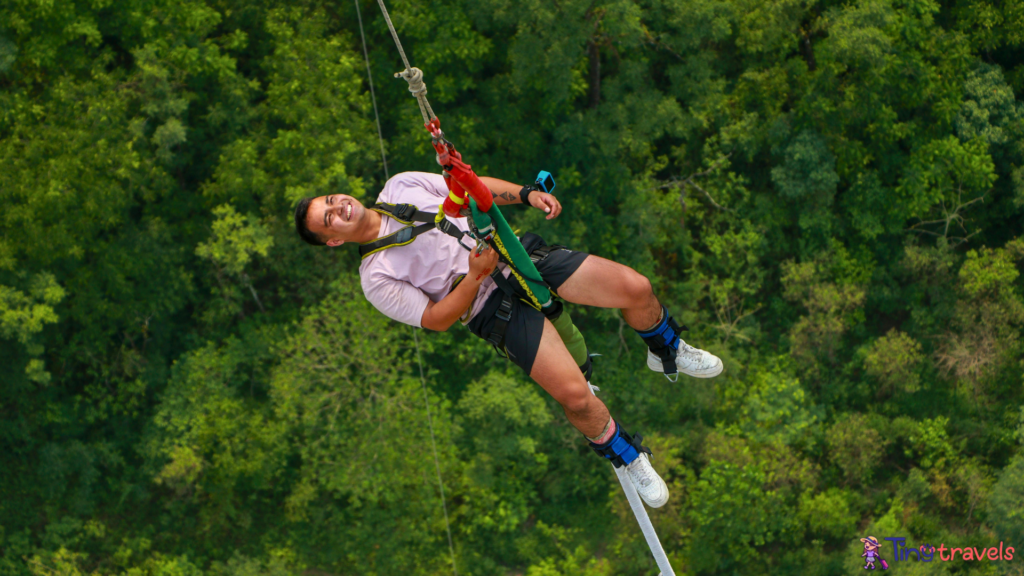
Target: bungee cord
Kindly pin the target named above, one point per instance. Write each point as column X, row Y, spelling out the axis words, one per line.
column 414, row 76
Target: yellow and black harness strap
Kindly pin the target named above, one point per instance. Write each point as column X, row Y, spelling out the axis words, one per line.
column 407, row 214
column 404, row 213
column 533, row 301
column 399, row 238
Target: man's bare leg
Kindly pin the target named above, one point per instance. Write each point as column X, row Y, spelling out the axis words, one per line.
column 620, row 287
column 557, row 373
column 606, row 284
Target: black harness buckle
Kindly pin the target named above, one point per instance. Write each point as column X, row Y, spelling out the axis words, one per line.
column 405, row 212
column 501, row 319
column 544, row 251
column 505, row 310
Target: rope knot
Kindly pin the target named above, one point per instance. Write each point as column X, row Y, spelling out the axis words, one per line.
column 414, row 76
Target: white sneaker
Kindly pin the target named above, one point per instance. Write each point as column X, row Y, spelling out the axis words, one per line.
column 648, row 484
column 690, row 361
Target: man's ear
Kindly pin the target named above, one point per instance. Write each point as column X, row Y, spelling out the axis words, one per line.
column 335, row 242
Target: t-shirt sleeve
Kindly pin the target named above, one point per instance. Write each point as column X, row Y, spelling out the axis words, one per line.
column 396, row 299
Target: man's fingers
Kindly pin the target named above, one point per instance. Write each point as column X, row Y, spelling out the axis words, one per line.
column 554, row 207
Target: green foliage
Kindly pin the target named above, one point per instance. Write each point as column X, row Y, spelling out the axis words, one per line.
column 577, row 562
column 856, row 447
column 831, row 289
column 732, row 506
column 829, row 514
column 894, row 360
column 807, row 174
column 1005, row 509
column 986, row 320
column 24, row 315
column 828, row 194
column 774, row 408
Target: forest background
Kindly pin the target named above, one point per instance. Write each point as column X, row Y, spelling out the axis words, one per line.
column 828, row 193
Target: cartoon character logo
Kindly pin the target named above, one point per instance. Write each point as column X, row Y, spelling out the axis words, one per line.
column 870, row 554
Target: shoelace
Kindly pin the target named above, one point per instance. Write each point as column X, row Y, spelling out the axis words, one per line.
column 694, row 353
column 640, row 472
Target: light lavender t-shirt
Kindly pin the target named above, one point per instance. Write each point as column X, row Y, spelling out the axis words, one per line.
column 400, row 280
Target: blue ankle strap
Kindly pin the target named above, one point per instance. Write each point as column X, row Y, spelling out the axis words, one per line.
column 622, row 449
column 664, row 333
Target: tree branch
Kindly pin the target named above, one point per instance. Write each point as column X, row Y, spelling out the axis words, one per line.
column 689, row 181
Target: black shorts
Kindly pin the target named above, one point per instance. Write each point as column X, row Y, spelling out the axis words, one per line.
column 525, row 326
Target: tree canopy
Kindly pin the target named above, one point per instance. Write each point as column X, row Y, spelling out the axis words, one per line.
column 829, row 194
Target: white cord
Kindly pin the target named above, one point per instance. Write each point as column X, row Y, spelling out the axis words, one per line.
column 369, row 75
column 645, row 522
column 433, row 444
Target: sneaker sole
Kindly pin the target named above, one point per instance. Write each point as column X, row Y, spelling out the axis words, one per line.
column 654, row 363
column 655, row 504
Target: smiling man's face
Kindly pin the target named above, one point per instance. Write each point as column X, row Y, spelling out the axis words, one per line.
column 335, row 218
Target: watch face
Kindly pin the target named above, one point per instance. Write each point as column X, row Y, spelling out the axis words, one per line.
column 548, row 183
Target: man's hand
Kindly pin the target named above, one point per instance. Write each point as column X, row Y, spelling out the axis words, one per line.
column 481, row 262
column 441, row 315
column 546, row 202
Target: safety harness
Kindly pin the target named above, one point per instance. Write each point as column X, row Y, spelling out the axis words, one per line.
column 504, row 312
column 503, row 315
column 408, row 214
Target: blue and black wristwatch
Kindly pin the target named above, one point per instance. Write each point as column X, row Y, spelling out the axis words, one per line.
column 545, row 182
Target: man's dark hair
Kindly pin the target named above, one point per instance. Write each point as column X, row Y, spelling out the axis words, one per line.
column 300, row 223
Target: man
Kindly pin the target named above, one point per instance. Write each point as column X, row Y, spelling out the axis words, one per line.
column 419, row 283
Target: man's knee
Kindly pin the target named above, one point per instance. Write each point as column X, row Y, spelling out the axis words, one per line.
column 639, row 286
column 577, row 401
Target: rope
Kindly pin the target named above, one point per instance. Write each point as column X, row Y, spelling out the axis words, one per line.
column 433, row 443
column 637, row 505
column 387, row 18
column 369, row 75
column 414, row 76
column 660, row 558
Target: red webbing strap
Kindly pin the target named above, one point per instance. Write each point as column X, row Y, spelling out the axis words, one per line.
column 459, row 176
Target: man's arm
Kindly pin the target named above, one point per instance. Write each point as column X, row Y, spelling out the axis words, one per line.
column 440, row 316
column 504, row 193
